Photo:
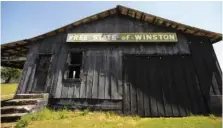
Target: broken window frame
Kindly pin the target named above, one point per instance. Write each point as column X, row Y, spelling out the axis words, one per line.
column 69, row 65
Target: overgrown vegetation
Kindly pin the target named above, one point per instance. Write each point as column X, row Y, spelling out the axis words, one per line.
column 10, row 74
column 85, row 119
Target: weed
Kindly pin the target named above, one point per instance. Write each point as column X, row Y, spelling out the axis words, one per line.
column 23, row 122
column 211, row 116
column 85, row 112
column 63, row 114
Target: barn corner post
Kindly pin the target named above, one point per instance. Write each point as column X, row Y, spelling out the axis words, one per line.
column 124, row 60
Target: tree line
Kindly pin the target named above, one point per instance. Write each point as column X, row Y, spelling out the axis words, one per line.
column 9, row 75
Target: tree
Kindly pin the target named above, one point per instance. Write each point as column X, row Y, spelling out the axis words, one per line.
column 8, row 74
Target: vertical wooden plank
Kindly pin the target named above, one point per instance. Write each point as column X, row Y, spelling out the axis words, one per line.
column 29, row 67
column 90, row 74
column 59, row 71
column 218, row 73
column 59, row 85
column 139, row 86
column 70, row 90
column 64, row 91
column 126, row 82
column 107, row 84
column 28, row 74
column 178, row 85
column 194, row 97
column 159, row 91
column 31, row 80
column 113, row 75
column 152, row 86
column 95, row 74
column 196, row 84
column 202, row 106
column 101, row 65
column 185, row 87
column 210, row 64
column 145, row 74
column 76, row 91
column 21, row 81
column 56, row 54
column 177, row 109
column 216, row 84
column 32, row 62
column 119, row 74
column 170, row 89
column 166, row 82
column 182, row 46
column 84, row 76
column 203, row 78
column 133, row 89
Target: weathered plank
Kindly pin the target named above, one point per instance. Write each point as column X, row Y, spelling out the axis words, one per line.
column 101, row 79
column 177, row 80
column 95, row 69
column 70, row 91
column 83, row 75
column 166, row 82
column 139, row 86
column 152, row 85
column 158, row 88
column 90, row 75
column 126, row 82
column 107, row 80
column 204, row 80
column 146, row 87
column 76, row 87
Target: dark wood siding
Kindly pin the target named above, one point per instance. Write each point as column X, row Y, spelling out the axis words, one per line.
column 102, row 73
column 166, row 86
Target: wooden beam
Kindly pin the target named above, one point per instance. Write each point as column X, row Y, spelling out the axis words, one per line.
column 15, row 49
column 19, row 66
column 6, row 59
column 15, row 46
column 13, row 54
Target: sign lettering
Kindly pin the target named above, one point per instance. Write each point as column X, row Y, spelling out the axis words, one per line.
column 122, row 37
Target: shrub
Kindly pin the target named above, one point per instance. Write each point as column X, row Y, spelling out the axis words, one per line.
column 85, row 112
column 63, row 114
column 23, row 122
column 45, row 114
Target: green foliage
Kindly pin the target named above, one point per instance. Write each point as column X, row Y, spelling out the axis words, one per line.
column 110, row 114
column 211, row 116
column 9, row 74
column 85, row 112
column 23, row 122
column 69, row 119
column 63, row 114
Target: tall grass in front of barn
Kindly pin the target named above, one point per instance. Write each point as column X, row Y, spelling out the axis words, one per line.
column 85, row 119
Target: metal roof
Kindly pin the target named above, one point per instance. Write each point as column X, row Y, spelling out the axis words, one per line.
column 20, row 48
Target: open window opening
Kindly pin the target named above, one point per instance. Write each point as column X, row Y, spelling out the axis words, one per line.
column 74, row 72
column 74, row 65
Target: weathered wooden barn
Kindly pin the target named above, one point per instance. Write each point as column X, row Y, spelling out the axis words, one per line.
column 122, row 60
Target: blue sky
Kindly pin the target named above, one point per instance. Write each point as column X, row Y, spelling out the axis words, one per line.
column 22, row 20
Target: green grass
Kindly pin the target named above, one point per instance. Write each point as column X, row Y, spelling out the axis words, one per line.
column 85, row 119
column 7, row 90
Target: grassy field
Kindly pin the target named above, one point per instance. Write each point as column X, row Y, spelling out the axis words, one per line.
column 86, row 119
column 7, row 91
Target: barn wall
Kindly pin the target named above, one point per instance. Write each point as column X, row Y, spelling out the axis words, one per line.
column 102, row 71
column 51, row 45
column 208, row 72
column 95, row 54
